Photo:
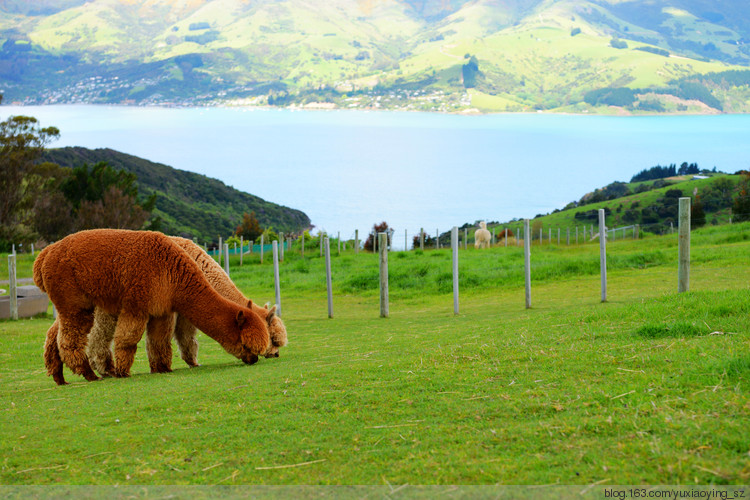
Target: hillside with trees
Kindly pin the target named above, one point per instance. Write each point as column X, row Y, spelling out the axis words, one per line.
column 187, row 204
column 717, row 198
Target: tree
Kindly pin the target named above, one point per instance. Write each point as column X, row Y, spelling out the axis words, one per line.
column 115, row 209
column 53, row 217
column 22, row 142
column 697, row 214
column 250, row 228
column 377, row 228
column 101, row 196
column 741, row 205
column 469, row 72
column 90, row 183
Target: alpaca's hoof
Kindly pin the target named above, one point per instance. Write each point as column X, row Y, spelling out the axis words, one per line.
column 196, row 365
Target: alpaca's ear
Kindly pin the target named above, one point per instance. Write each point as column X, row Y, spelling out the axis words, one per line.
column 249, row 303
column 266, row 306
column 240, row 319
column 271, row 314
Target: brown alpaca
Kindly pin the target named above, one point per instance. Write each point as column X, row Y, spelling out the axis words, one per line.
column 160, row 349
column 142, row 277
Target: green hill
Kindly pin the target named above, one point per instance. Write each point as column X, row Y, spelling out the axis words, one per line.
column 489, row 55
column 189, row 204
column 652, row 205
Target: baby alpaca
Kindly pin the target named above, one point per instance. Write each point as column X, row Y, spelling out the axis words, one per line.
column 143, row 278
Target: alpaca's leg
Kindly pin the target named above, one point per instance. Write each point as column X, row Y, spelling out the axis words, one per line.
column 127, row 334
column 52, row 360
column 184, row 334
column 100, row 339
column 159, row 343
column 71, row 340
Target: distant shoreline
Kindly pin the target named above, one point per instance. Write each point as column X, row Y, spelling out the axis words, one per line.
column 618, row 113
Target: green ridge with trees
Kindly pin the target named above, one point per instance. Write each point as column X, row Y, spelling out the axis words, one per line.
column 188, row 204
column 650, row 200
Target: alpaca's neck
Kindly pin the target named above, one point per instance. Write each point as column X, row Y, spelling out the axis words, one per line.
column 210, row 312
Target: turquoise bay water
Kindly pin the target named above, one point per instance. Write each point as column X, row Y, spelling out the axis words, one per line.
column 349, row 169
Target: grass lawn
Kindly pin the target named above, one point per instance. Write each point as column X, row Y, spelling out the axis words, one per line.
column 648, row 388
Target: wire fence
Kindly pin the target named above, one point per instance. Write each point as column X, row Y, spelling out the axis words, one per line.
column 515, row 234
column 546, row 236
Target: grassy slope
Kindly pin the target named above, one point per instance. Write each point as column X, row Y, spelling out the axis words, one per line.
column 566, row 218
column 650, row 387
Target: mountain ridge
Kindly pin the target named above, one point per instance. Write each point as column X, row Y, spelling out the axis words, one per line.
column 531, row 54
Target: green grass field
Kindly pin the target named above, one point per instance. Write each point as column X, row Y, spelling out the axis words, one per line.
column 650, row 387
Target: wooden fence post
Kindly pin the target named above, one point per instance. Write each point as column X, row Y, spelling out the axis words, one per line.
column 454, row 248
column 277, row 284
column 527, row 261
column 226, row 258
column 320, row 237
column 466, row 238
column 383, row 237
column 329, row 286
column 636, row 231
column 558, row 236
column 242, row 249
column 683, row 268
column 421, row 238
column 13, row 287
column 603, row 253
column 338, row 239
column 406, row 241
column 261, row 248
column 568, row 238
column 221, row 249
column 576, row 235
column 437, row 239
column 356, row 241
column 281, row 244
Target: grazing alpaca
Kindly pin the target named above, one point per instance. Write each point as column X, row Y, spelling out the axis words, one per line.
column 160, row 349
column 482, row 237
column 142, row 277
